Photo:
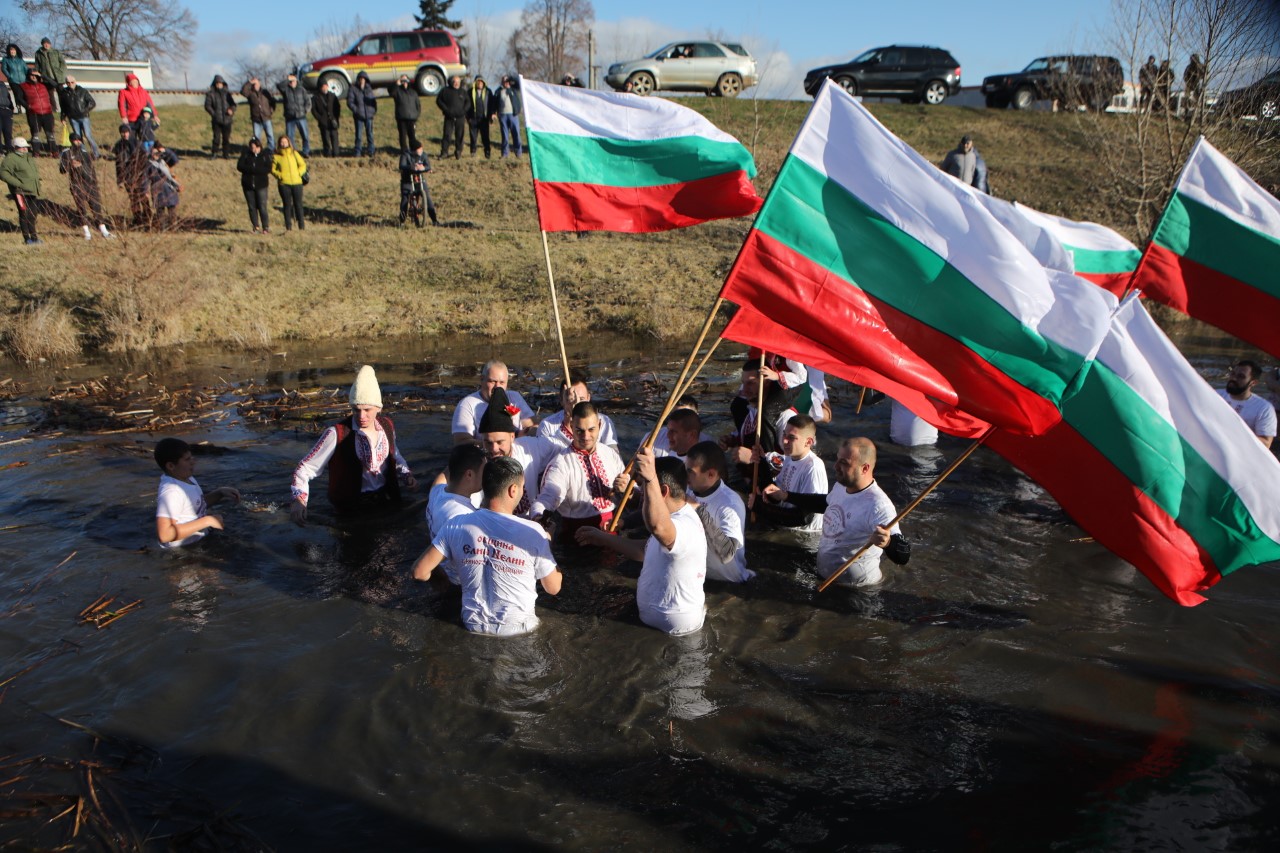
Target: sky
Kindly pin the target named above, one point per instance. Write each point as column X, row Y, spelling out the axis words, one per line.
column 986, row 37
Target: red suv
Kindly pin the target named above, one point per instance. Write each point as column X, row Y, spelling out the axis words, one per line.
column 428, row 57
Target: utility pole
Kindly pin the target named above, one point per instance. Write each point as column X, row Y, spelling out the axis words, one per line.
column 591, row 59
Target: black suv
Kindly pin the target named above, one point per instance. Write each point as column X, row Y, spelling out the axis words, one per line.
column 907, row 72
column 1070, row 80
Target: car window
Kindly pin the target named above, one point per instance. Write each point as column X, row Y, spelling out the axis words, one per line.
column 403, row 43
column 706, row 50
column 1041, row 64
column 865, row 56
column 738, row 49
column 372, row 45
column 436, row 39
column 891, row 57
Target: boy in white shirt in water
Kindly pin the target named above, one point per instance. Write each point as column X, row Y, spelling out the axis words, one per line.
column 802, row 471
column 182, row 507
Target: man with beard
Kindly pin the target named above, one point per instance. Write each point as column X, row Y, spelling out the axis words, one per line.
column 855, row 513
column 1257, row 413
column 498, row 440
column 578, row 485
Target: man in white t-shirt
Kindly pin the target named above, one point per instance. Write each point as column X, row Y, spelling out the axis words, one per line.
column 467, row 414
column 1257, row 413
column 578, row 484
column 661, row 443
column 500, row 558
column 451, row 493
column 182, row 507
column 802, row 471
column 855, row 513
column 557, row 428
column 723, row 514
column 908, row 429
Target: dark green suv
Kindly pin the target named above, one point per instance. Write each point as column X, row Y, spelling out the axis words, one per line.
column 1069, row 80
column 910, row 73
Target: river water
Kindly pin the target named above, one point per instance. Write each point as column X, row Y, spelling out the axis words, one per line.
column 1012, row 687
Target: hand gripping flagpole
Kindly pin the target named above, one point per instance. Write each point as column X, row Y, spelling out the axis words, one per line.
column 911, row 506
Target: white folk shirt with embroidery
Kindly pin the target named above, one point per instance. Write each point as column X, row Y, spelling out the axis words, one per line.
column 470, row 410
column 373, row 460
column 551, row 428
column 564, row 484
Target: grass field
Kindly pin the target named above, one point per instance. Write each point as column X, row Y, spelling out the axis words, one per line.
column 353, row 272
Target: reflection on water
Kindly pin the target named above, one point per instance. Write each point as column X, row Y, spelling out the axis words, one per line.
column 1010, row 682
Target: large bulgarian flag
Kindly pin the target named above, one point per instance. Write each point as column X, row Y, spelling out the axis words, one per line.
column 1098, row 254
column 867, row 260
column 620, row 162
column 1215, row 254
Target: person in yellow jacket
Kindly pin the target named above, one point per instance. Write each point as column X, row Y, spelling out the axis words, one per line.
column 291, row 173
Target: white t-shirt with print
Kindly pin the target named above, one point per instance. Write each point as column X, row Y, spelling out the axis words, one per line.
column 804, row 476
column 669, row 592
column 181, row 502
column 1256, row 412
column 469, row 411
column 849, row 521
column 730, row 513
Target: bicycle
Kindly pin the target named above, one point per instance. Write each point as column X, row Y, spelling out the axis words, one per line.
column 416, row 198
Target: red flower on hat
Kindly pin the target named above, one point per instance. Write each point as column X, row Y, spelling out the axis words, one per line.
column 512, row 410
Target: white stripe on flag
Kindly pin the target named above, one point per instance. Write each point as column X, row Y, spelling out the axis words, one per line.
column 1214, row 181
column 610, row 115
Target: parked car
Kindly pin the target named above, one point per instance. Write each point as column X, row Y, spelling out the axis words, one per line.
column 1070, row 80
column 910, row 73
column 717, row 68
column 1260, row 98
column 429, row 57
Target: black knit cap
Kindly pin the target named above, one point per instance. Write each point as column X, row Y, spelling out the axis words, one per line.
column 496, row 418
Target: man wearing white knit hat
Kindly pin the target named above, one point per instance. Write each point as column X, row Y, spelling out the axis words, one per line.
column 365, row 467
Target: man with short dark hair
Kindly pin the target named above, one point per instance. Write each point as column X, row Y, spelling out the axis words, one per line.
column 1256, row 412
column 579, row 483
column 556, row 427
column 457, row 491
column 452, row 103
column 669, row 592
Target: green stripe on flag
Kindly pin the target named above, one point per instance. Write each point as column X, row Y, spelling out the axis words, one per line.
column 1202, row 234
column 1147, row 449
column 820, row 219
column 1104, row 261
column 564, row 158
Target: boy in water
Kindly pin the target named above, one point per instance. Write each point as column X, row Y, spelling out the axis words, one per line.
column 182, row 508
column 802, row 471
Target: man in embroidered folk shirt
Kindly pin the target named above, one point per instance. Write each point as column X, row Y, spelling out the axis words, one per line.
column 499, row 558
column 579, row 483
column 556, row 428
column 854, row 513
column 467, row 414
column 498, row 440
column 365, row 467
column 1256, row 412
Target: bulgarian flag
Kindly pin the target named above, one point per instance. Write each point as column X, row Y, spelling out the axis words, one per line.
column 865, row 257
column 620, row 162
column 1097, row 253
column 1216, row 251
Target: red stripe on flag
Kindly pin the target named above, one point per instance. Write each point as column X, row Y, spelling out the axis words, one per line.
column 1206, row 294
column 597, row 207
column 810, row 306
column 1106, row 504
column 1116, row 282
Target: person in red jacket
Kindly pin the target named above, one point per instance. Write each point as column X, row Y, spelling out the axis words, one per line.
column 133, row 97
column 39, row 112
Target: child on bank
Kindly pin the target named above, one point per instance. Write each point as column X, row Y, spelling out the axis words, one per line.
column 802, row 471
column 182, row 508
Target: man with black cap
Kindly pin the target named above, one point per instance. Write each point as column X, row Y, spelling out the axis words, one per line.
column 964, row 162
column 19, row 171
column 51, row 65
column 365, row 467
column 77, row 164
column 498, row 439
column 131, row 174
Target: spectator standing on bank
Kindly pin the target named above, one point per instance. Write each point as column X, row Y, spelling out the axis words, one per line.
column 15, row 69
column 77, row 164
column 164, row 189
column 414, row 161
column 39, row 112
column 408, row 109
column 964, row 162
column 145, row 129
column 18, row 170
column 254, row 166
column 1147, row 83
column 297, row 103
column 221, row 107
column 77, row 103
column 262, row 105
column 290, row 170
column 452, row 103
column 6, row 116
column 51, row 65
column 508, row 105
column 327, row 109
column 1193, row 82
column 132, row 98
column 1164, row 85
column 363, row 105
column 131, row 173
column 479, row 114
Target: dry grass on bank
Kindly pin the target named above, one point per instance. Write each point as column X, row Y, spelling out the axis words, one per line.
column 352, row 272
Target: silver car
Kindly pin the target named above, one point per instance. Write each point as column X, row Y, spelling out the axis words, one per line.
column 717, row 68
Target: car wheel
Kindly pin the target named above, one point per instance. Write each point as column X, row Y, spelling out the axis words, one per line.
column 935, row 93
column 996, row 103
column 335, row 79
column 729, row 85
column 641, row 83
column 1024, row 98
column 430, row 82
column 1269, row 109
column 848, row 84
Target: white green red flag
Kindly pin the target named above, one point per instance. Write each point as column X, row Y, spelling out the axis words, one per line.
column 1216, row 250
column 865, row 257
column 605, row 161
column 1097, row 253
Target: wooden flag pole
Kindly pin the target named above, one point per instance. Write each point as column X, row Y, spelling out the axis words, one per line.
column 915, row 503
column 862, row 395
column 685, row 380
column 759, row 451
column 555, row 310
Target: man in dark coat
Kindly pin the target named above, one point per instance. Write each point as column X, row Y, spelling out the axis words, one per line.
column 327, row 109
column 452, row 102
column 1193, row 84
column 479, row 114
column 76, row 104
column 77, row 164
column 221, row 107
column 1147, row 83
column 408, row 109
column 297, row 103
column 262, row 104
column 131, row 171
column 364, row 106
column 507, row 105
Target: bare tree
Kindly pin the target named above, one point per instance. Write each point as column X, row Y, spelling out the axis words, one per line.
column 478, row 54
column 159, row 30
column 551, row 38
column 1142, row 147
column 13, row 32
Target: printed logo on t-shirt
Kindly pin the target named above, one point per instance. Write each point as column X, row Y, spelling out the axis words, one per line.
column 833, row 522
